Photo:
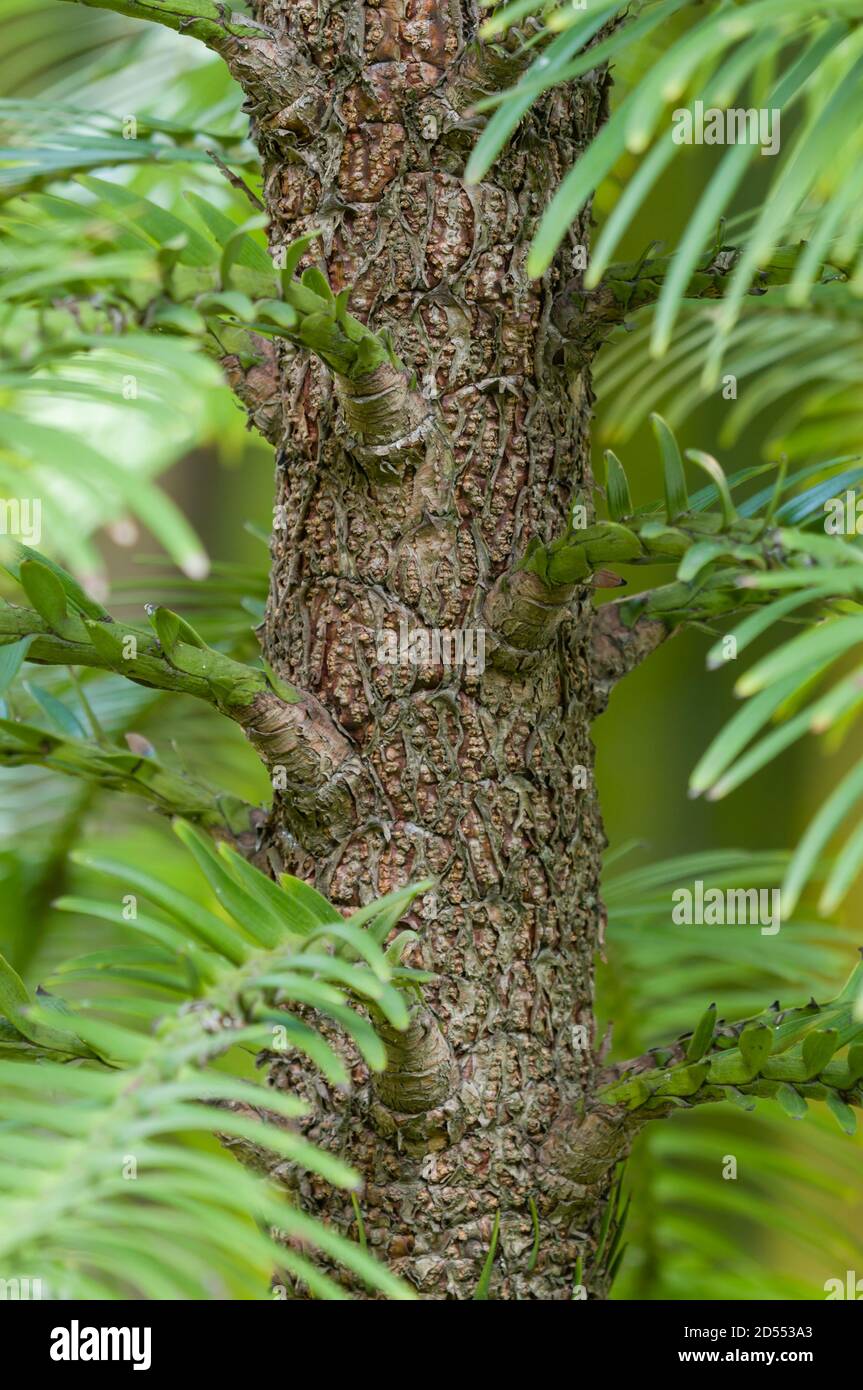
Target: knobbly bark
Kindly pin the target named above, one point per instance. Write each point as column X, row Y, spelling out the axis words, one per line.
column 407, row 497
column 618, row 647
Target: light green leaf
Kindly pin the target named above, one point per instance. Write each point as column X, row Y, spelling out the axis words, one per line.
column 676, row 496
column 12, row 657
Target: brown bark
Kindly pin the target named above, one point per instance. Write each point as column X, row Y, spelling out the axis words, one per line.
column 618, row 647
column 409, row 498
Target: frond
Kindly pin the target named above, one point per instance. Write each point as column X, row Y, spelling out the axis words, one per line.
column 95, row 1184
column 764, row 551
column 109, row 296
column 108, row 715
column 692, row 1229
column 56, row 140
column 42, row 812
column 63, row 746
column 54, row 723
column 83, row 363
column 797, row 368
column 44, row 56
column 802, row 687
column 66, row 626
column 714, row 56
column 724, row 559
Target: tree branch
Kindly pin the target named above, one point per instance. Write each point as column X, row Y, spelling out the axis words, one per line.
column 295, row 737
column 522, row 613
column 528, row 603
column 793, row 1055
column 585, row 317
column 257, row 386
column 214, row 24
column 724, row 562
column 623, row 636
column 125, row 770
column 268, row 67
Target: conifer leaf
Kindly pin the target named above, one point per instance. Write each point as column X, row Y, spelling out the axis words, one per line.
column 676, row 496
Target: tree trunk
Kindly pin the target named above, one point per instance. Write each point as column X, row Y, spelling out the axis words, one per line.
column 400, row 509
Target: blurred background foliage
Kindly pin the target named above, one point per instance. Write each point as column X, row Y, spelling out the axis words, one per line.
column 793, row 1217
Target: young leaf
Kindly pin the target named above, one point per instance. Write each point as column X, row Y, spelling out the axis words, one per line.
column 702, row 1036
column 294, row 254
column 791, row 1101
column 713, row 470
column 617, row 488
column 12, row 657
column 233, row 897
column 44, row 591
column 170, row 629
column 75, row 595
column 482, row 1288
column 755, row 1044
column 818, row 1047
column 842, row 1113
column 315, row 280
column 676, row 496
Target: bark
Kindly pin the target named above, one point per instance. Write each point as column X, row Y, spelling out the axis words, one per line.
column 407, row 498
column 619, row 647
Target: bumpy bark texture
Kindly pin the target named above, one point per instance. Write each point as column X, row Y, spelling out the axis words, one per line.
column 409, row 500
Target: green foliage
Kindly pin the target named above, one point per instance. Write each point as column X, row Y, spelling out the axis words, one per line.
column 43, row 803
column 812, row 1052
column 794, row 372
column 111, row 286
column 787, row 688
column 73, row 381
column 139, row 274
column 691, row 1232
column 154, row 269
column 67, row 626
column 717, row 56
column 724, row 560
column 206, row 20
column 788, row 573
column 64, row 748
column 71, row 1133
column 56, row 140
